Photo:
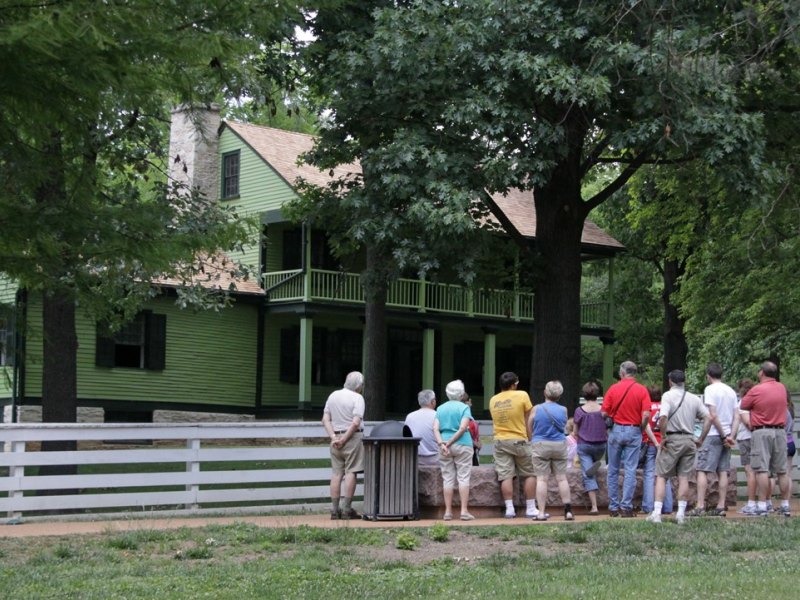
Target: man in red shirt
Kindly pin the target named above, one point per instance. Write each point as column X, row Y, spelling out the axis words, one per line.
column 766, row 402
column 628, row 404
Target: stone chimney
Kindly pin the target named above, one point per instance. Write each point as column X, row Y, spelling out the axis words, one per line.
column 193, row 148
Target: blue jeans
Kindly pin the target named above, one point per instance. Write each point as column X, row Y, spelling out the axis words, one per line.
column 648, row 484
column 588, row 455
column 624, row 444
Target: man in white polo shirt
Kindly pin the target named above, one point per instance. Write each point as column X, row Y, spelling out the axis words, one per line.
column 420, row 422
column 342, row 419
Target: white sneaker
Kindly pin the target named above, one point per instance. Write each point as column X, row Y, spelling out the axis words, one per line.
column 532, row 514
column 748, row 510
column 680, row 519
column 653, row 518
column 510, row 515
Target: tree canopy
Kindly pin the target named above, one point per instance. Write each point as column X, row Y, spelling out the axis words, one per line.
column 543, row 95
column 86, row 212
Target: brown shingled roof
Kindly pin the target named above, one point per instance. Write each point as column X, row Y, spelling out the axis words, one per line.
column 519, row 208
column 280, row 149
column 215, row 275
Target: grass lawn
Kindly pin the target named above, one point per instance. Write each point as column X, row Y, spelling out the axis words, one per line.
column 706, row 558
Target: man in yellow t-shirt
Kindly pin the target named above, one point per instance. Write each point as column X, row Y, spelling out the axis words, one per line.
column 511, row 412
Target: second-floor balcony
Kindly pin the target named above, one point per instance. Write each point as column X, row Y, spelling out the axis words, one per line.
column 321, row 286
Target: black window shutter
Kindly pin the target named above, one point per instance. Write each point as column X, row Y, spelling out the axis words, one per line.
column 155, row 351
column 103, row 347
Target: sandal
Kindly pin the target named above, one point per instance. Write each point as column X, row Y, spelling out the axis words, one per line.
column 541, row 517
column 447, row 517
column 593, row 513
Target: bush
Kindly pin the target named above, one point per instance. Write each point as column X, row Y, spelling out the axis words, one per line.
column 406, row 541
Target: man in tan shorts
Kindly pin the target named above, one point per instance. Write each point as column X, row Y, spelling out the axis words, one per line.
column 678, row 448
column 511, row 412
column 342, row 419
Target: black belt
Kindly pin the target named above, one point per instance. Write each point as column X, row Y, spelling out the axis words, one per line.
column 767, row 427
column 679, row 433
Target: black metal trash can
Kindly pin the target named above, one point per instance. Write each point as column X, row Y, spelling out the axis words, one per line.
column 391, row 478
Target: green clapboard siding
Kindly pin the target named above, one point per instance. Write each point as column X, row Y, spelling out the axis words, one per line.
column 8, row 290
column 260, row 188
column 210, row 358
column 277, row 393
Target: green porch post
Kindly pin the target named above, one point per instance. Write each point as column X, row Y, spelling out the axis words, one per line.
column 608, row 361
column 489, row 361
column 611, row 293
column 306, row 263
column 428, row 349
column 306, row 347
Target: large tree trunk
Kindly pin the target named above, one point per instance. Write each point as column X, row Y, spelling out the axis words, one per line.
column 59, row 373
column 557, row 320
column 675, row 347
column 375, row 375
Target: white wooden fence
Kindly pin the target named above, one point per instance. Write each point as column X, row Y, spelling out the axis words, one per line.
column 184, row 467
column 196, row 467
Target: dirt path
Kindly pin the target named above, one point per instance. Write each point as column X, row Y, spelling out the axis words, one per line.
column 49, row 527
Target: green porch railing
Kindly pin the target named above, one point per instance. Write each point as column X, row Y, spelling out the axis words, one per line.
column 423, row 296
column 595, row 314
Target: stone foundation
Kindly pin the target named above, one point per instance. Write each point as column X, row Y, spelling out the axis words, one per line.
column 485, row 499
column 33, row 414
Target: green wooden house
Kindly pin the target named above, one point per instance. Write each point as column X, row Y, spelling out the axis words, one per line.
column 290, row 338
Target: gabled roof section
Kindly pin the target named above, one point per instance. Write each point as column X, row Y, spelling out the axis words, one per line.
column 518, row 206
column 281, row 149
column 217, row 273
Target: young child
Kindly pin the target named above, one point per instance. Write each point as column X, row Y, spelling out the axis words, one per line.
column 572, row 446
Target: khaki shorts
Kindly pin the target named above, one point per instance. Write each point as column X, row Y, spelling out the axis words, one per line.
column 456, row 466
column 744, row 451
column 768, row 452
column 512, row 457
column 350, row 457
column 549, row 457
column 676, row 456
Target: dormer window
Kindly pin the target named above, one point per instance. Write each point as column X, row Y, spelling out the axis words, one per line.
column 230, row 175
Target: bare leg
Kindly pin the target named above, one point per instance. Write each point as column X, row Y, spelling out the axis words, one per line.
column 593, row 500
column 507, row 488
column 702, row 486
column 786, row 486
column 683, row 489
column 349, row 485
column 448, row 501
column 463, row 494
column 530, row 488
column 762, row 484
column 751, row 484
column 336, row 482
column 723, row 489
column 541, row 495
column 660, row 489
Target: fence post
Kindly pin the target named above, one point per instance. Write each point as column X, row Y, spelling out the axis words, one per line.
column 193, row 466
column 16, row 475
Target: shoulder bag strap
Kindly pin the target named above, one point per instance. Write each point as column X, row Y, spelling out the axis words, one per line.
column 674, row 410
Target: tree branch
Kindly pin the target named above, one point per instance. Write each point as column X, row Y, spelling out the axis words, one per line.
column 621, row 179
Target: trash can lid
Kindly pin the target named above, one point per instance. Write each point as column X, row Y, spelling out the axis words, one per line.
column 391, row 430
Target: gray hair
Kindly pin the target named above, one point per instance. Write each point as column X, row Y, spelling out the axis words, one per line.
column 553, row 390
column 426, row 397
column 354, row 381
column 454, row 390
column 628, row 368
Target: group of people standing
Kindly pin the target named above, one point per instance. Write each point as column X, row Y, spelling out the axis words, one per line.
column 635, row 427
column 674, row 448
column 530, row 443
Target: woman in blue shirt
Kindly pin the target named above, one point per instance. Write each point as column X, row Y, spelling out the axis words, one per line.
column 451, row 430
column 549, row 450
